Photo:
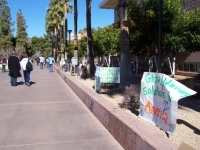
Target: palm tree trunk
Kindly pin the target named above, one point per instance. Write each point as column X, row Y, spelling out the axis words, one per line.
column 90, row 55
column 75, row 29
column 63, row 42
column 52, row 44
column 56, row 44
column 126, row 74
column 65, row 30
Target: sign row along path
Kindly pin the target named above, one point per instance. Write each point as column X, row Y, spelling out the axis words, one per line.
column 48, row 116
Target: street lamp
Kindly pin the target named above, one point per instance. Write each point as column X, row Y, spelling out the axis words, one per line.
column 69, row 36
column 69, row 48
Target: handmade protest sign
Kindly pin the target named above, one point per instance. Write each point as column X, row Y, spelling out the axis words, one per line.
column 106, row 75
column 74, row 61
column 159, row 99
column 110, row 74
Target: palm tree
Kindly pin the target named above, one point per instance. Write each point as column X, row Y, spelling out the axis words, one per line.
column 67, row 9
column 90, row 54
column 126, row 75
column 75, row 29
column 54, row 21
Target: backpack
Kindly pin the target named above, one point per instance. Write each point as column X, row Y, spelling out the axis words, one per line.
column 29, row 66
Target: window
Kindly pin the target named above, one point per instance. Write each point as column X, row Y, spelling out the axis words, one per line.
column 198, row 67
column 189, row 67
column 192, row 67
column 181, row 66
column 186, row 67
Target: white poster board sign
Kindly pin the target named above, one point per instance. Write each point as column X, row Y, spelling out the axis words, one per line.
column 74, row 61
column 159, row 100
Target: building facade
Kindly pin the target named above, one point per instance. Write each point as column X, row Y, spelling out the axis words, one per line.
column 190, row 4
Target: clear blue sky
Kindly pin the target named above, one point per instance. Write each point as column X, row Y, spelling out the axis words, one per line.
column 34, row 12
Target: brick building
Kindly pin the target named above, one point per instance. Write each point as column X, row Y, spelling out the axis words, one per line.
column 191, row 4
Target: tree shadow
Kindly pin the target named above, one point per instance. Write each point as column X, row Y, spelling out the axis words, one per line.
column 189, row 82
column 135, row 111
column 191, row 102
column 112, row 89
column 196, row 130
column 87, row 77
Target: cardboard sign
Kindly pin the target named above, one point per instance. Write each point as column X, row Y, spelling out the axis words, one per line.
column 109, row 74
column 159, row 100
column 74, row 61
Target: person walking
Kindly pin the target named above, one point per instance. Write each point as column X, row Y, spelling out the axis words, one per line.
column 26, row 73
column 47, row 63
column 38, row 61
column 80, row 70
column 14, row 68
column 42, row 59
column 4, row 63
column 51, row 63
column 66, row 65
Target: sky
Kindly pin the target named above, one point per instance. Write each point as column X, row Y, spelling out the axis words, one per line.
column 34, row 12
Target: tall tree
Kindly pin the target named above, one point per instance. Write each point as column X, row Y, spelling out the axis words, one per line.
column 126, row 75
column 21, row 36
column 90, row 53
column 6, row 35
column 41, row 45
column 54, row 21
column 67, row 9
column 75, row 29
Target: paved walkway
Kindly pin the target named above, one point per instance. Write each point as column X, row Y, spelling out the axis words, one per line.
column 48, row 116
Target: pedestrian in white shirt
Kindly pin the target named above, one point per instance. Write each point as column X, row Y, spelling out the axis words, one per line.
column 51, row 63
column 42, row 59
column 26, row 73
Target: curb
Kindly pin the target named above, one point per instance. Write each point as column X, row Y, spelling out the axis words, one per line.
column 128, row 131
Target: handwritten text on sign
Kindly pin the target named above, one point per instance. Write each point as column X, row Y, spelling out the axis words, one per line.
column 109, row 74
column 159, row 99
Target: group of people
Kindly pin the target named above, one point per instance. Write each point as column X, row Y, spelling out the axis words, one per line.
column 48, row 62
column 15, row 65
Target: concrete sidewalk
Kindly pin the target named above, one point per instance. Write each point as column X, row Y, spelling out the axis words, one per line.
column 48, row 116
